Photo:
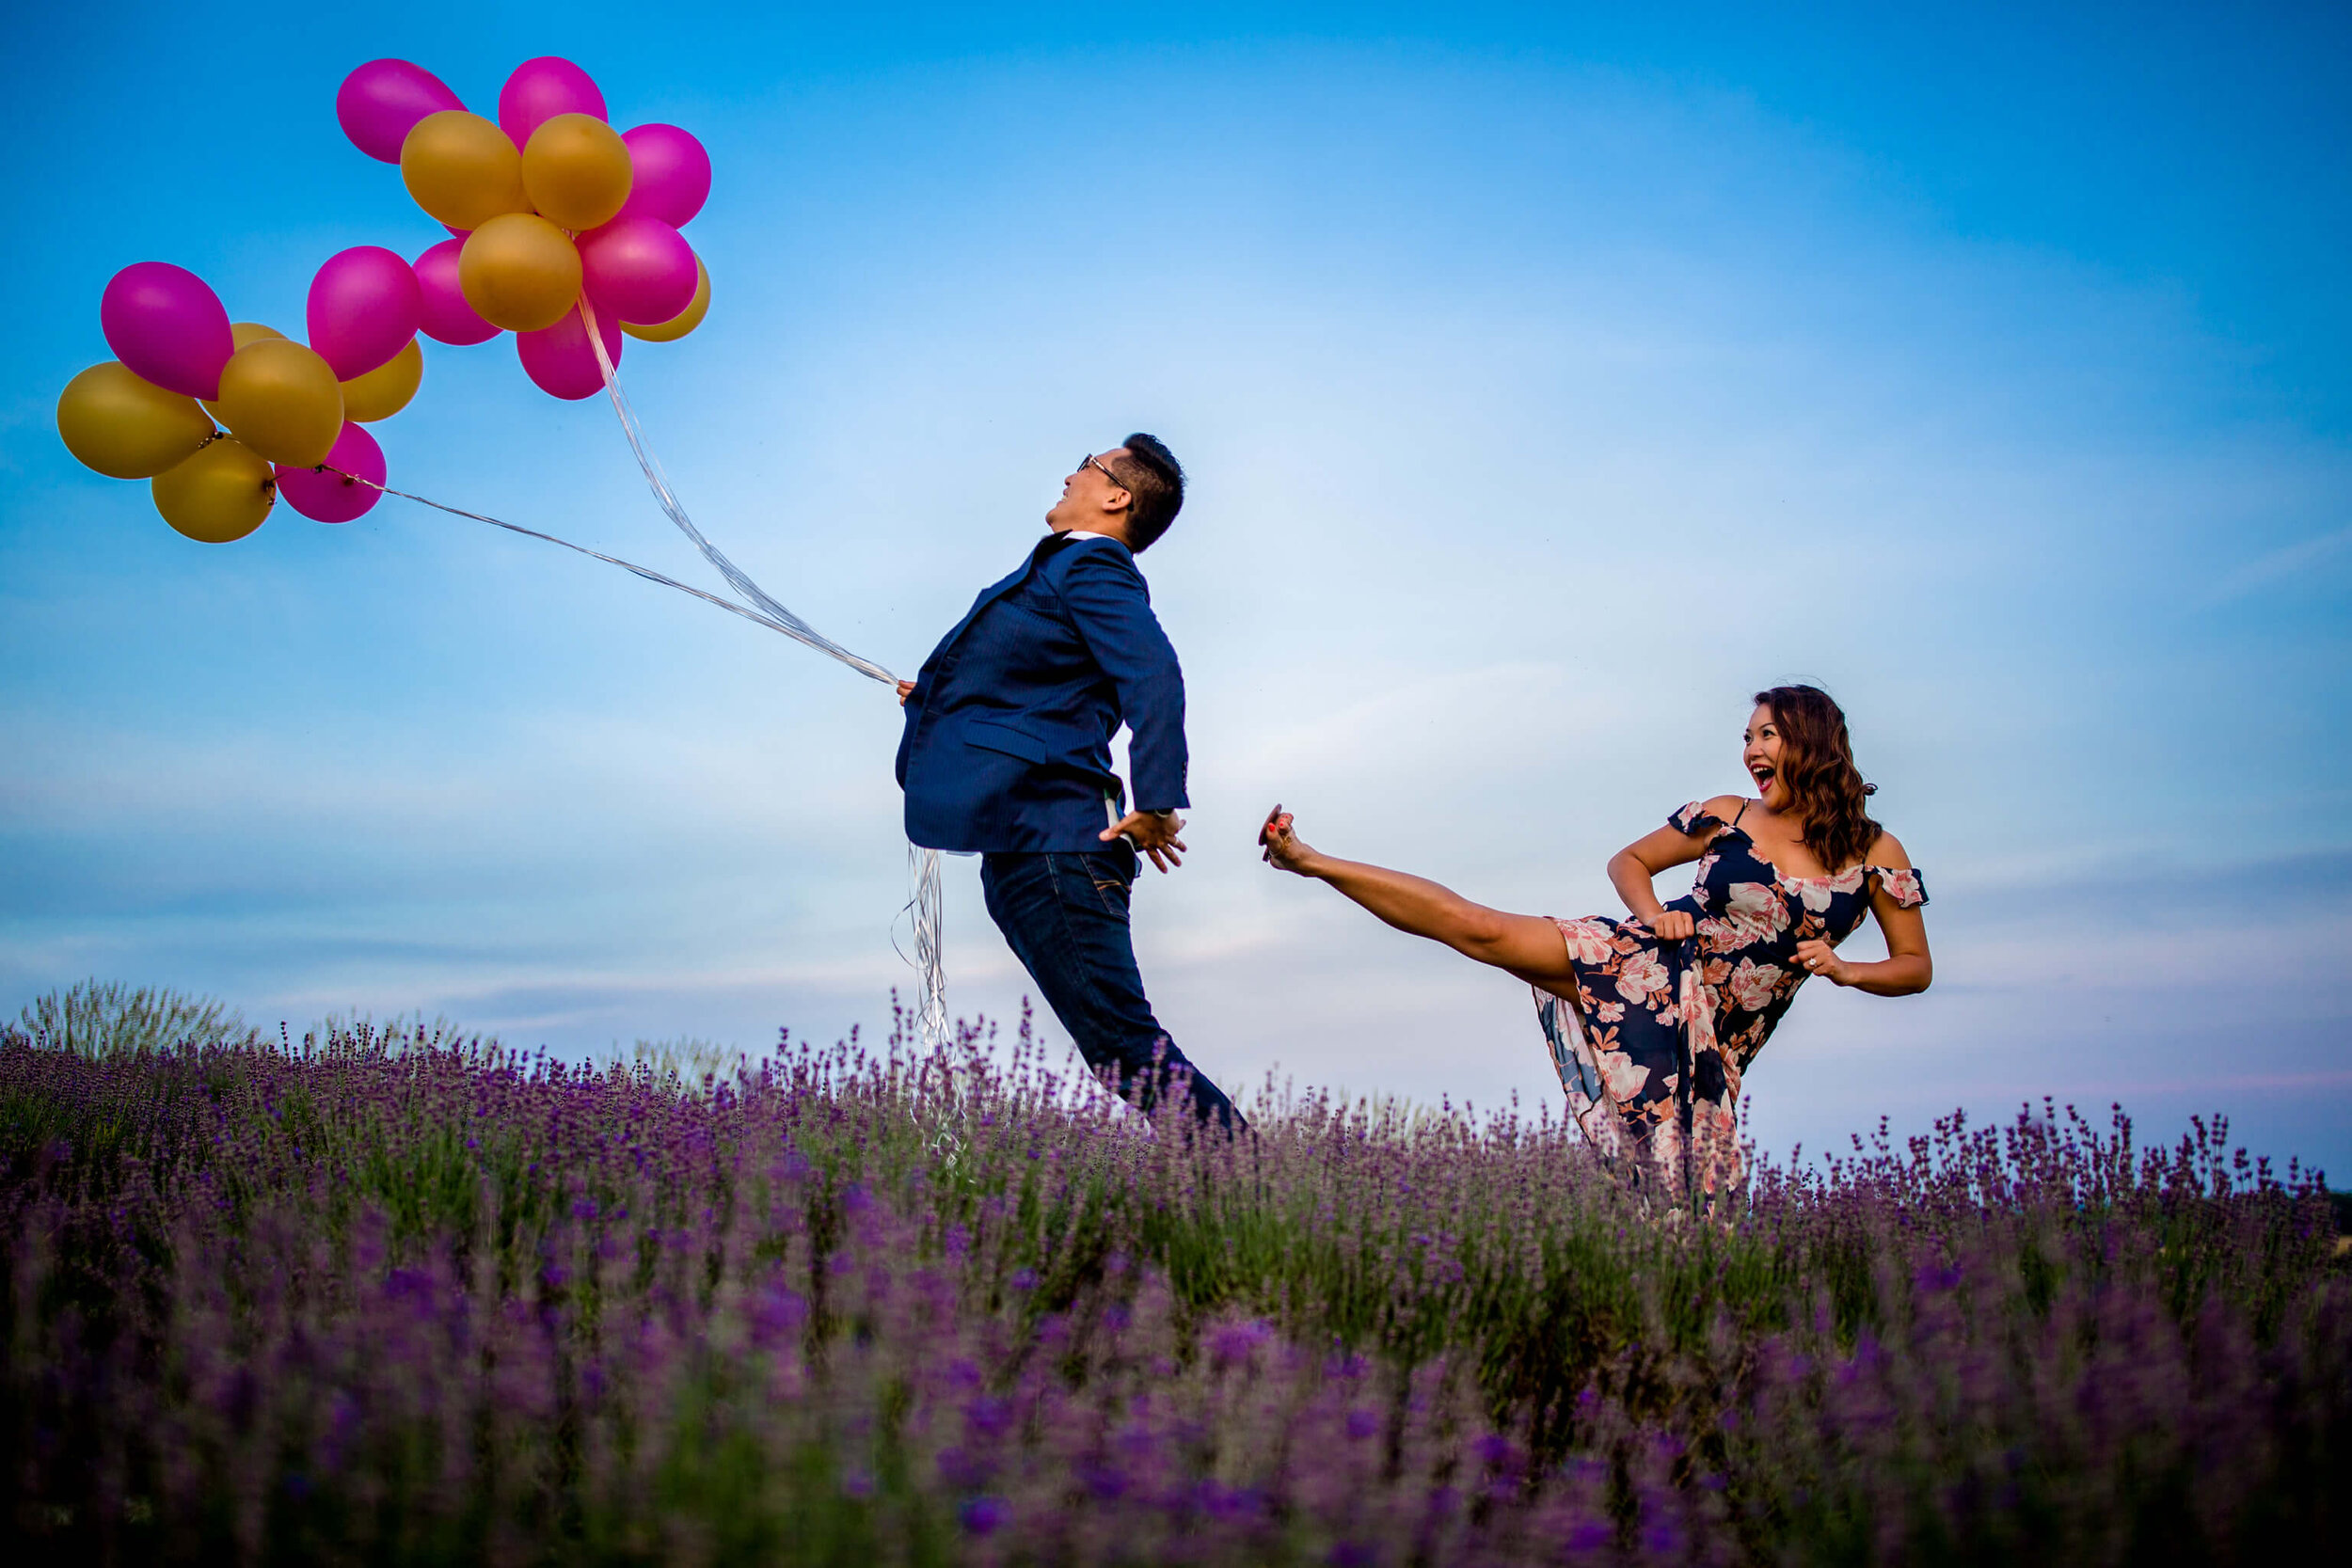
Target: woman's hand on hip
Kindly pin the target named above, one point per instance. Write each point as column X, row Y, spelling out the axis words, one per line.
column 1674, row 925
column 1819, row 957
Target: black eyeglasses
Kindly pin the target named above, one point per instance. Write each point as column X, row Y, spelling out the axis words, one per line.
column 1090, row 461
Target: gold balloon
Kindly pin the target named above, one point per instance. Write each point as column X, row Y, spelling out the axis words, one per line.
column 126, row 427
column 240, row 333
column 519, row 272
column 220, row 494
column 385, row 390
column 462, row 169
column 685, row 321
column 282, row 401
column 575, row 171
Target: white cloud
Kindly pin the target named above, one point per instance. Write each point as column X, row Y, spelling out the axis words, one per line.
column 2273, row 566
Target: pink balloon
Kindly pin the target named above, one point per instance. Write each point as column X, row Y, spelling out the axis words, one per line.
column 365, row 305
column 638, row 269
column 671, row 177
column 380, row 103
column 332, row 497
column 559, row 359
column 447, row 317
column 542, row 88
column 168, row 327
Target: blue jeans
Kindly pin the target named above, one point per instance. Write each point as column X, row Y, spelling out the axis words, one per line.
column 1064, row 914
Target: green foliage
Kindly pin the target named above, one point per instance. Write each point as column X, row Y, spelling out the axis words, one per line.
column 687, row 1065
column 103, row 1019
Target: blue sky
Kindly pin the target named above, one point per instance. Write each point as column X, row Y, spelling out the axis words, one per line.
column 1548, row 384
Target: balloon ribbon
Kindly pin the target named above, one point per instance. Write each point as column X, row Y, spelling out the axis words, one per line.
column 925, row 901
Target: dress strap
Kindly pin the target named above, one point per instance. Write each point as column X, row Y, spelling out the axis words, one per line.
column 1740, row 812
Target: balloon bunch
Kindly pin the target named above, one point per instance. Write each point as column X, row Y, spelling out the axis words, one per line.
column 293, row 411
column 551, row 205
column 559, row 221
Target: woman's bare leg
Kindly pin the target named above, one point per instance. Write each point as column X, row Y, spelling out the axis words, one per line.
column 1527, row 946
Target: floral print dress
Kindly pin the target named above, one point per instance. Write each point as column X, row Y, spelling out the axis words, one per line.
column 1652, row 1051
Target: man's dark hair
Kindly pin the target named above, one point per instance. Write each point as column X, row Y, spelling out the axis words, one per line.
column 1150, row 473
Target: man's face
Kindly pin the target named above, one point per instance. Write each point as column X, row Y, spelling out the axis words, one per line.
column 1090, row 499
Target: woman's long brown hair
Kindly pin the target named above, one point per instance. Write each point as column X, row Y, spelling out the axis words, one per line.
column 1817, row 765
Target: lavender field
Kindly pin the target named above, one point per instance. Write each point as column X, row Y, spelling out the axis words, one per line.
column 396, row 1297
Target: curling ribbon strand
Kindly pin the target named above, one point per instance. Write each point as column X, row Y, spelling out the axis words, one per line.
column 926, row 900
column 792, row 626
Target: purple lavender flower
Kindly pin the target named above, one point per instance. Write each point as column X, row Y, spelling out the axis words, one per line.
column 1361, row 1337
column 984, row 1515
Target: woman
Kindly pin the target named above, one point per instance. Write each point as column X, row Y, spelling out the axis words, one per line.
column 1652, row 1020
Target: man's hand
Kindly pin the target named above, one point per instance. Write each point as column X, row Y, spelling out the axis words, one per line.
column 904, row 686
column 1153, row 833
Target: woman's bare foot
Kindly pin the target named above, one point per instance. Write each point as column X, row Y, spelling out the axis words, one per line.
column 1284, row 850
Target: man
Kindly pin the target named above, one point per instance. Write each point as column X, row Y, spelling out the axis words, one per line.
column 1007, row 751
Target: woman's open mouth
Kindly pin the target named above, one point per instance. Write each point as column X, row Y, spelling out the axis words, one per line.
column 1763, row 777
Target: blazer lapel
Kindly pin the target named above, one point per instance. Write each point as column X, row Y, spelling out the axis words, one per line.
column 990, row 595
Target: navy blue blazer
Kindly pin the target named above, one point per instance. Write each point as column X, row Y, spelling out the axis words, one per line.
column 1008, row 742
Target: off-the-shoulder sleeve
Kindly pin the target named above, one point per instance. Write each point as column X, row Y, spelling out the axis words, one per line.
column 1905, row 887
column 1694, row 819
